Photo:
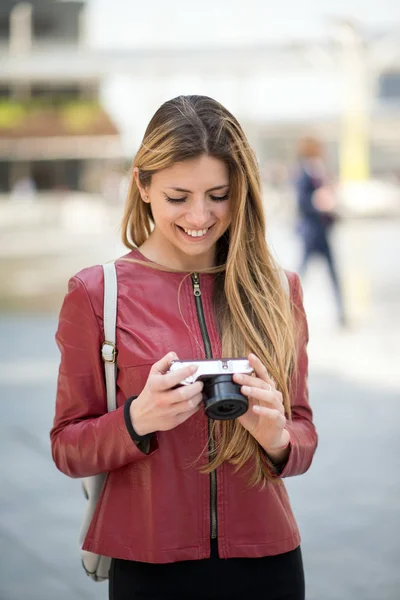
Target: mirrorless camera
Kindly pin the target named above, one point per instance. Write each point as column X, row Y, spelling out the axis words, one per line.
column 221, row 395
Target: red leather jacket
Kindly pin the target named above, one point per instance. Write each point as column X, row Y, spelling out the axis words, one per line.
column 156, row 507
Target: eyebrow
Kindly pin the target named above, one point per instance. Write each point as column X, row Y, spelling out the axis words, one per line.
column 213, row 189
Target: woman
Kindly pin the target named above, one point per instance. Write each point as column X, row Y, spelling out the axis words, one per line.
column 190, row 509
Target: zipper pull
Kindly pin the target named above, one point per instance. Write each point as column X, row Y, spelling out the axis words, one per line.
column 196, row 285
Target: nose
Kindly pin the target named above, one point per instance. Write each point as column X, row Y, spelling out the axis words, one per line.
column 198, row 214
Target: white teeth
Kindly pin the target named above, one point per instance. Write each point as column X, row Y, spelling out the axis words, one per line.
column 196, row 232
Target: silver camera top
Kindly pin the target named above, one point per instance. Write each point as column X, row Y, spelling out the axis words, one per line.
column 210, row 367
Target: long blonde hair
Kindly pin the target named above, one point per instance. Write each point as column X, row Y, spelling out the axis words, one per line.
column 251, row 306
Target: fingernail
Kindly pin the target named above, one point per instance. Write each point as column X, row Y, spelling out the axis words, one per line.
column 257, row 408
column 246, row 389
column 238, row 377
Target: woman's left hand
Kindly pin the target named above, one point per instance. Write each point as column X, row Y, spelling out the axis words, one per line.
column 265, row 419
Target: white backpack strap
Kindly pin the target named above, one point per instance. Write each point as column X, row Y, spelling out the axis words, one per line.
column 109, row 349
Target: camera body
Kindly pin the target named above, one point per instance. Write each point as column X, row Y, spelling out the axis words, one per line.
column 221, row 395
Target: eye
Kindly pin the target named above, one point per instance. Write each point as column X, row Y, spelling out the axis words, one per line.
column 219, row 198
column 175, row 200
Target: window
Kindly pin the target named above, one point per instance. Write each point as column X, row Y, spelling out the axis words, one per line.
column 43, row 27
column 4, row 28
column 389, row 86
column 57, row 92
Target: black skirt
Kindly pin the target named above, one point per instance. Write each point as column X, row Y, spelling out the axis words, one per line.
column 279, row 577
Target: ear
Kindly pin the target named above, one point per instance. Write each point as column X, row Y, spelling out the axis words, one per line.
column 142, row 190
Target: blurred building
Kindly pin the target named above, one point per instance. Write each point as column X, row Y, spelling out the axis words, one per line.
column 54, row 134
column 345, row 90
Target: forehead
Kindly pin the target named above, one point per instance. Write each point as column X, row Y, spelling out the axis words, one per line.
column 195, row 173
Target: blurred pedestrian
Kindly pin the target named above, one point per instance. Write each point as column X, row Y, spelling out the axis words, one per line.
column 317, row 215
column 192, row 508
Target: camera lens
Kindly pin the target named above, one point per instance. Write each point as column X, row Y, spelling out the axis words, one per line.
column 222, row 398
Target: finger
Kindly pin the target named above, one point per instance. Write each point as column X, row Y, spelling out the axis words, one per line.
column 170, row 380
column 184, row 392
column 259, row 369
column 184, row 416
column 272, row 399
column 271, row 414
column 163, row 365
column 168, row 399
column 252, row 381
column 193, row 403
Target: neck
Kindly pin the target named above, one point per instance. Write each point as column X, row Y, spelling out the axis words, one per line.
column 172, row 258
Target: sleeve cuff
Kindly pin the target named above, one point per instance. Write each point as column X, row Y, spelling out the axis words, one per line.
column 143, row 442
column 278, row 468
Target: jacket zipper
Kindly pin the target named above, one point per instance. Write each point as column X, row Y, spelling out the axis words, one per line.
column 211, row 447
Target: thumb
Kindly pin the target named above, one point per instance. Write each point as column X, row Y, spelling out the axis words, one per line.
column 163, row 365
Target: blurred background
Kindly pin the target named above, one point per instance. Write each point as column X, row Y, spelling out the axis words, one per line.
column 79, row 82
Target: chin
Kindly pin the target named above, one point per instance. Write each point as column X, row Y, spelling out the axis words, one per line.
column 196, row 251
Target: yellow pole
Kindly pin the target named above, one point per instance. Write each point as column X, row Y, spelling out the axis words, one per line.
column 354, row 147
column 354, row 134
column 354, row 165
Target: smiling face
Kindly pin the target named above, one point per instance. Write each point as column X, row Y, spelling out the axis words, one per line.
column 191, row 209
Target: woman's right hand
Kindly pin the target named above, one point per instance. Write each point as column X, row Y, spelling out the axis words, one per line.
column 160, row 407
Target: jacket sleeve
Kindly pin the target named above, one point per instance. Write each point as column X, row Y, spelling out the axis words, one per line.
column 303, row 436
column 85, row 438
